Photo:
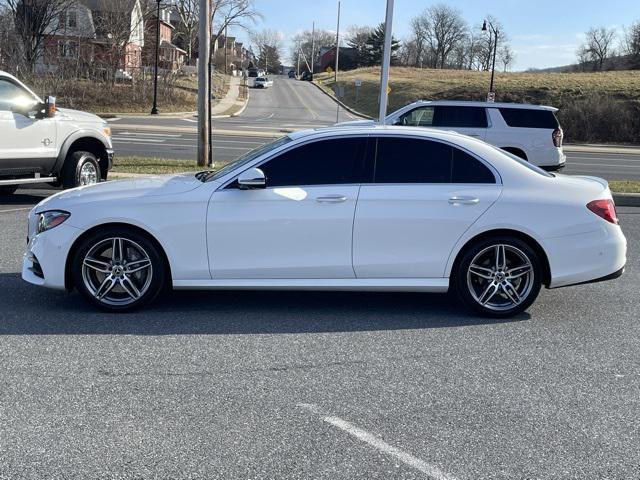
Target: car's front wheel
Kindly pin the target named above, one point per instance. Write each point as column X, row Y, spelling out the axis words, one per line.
column 80, row 169
column 118, row 270
column 499, row 277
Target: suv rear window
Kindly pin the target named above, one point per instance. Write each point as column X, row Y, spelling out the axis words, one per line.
column 528, row 118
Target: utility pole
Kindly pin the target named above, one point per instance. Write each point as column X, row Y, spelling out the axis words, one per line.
column 313, row 49
column 386, row 63
column 204, row 99
column 492, row 97
column 335, row 74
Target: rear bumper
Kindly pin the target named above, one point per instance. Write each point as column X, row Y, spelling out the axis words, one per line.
column 590, row 257
column 606, row 278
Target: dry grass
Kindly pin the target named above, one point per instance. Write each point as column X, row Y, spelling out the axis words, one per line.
column 557, row 89
column 615, row 95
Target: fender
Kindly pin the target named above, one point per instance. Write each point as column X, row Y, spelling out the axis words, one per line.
column 77, row 135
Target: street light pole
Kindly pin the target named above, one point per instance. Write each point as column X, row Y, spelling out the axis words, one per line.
column 154, row 110
column 496, row 32
column 386, row 63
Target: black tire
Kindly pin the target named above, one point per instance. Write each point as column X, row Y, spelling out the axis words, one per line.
column 136, row 248
column 508, row 295
column 72, row 170
column 7, row 190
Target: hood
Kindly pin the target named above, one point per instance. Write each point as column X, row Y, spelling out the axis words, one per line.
column 130, row 189
column 79, row 116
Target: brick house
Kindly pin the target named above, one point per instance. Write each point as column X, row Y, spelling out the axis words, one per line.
column 84, row 35
column 171, row 57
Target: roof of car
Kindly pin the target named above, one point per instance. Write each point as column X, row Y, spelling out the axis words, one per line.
column 471, row 103
column 376, row 129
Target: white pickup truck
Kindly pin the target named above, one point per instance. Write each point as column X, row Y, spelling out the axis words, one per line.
column 40, row 143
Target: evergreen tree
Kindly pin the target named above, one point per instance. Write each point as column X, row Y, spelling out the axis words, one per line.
column 375, row 47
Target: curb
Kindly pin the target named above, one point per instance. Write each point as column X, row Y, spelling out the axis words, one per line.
column 107, row 116
column 194, row 130
column 342, row 104
column 626, row 199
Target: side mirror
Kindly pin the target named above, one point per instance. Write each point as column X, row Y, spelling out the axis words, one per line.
column 50, row 107
column 26, row 108
column 252, row 179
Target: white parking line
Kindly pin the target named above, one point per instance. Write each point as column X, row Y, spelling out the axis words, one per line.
column 145, row 134
column 16, row 210
column 137, row 140
column 369, row 438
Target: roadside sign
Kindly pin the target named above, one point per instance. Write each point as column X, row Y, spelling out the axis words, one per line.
column 388, row 89
column 358, row 83
column 491, row 97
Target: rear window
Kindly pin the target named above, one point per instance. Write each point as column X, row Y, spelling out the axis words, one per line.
column 452, row 116
column 527, row 118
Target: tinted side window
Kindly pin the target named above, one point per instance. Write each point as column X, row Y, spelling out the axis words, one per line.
column 470, row 117
column 327, row 162
column 526, row 118
column 467, row 169
column 408, row 160
column 419, row 117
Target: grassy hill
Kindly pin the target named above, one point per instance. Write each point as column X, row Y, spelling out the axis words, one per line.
column 598, row 106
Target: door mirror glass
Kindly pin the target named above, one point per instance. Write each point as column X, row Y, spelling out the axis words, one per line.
column 26, row 107
column 252, row 179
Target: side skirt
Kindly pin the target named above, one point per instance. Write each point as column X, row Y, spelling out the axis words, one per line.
column 432, row 285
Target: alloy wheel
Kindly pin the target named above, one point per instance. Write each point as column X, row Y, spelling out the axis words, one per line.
column 117, row 271
column 500, row 277
column 88, row 174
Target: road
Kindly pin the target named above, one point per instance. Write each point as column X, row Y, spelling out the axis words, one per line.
column 292, row 105
column 317, row 385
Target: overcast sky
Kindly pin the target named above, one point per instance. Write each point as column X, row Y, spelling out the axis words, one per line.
column 544, row 33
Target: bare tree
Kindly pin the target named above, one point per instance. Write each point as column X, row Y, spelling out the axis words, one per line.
column 597, row 47
column 506, row 56
column 33, row 21
column 420, row 31
column 445, row 29
column 268, row 44
column 302, row 46
column 118, row 24
column 631, row 43
column 187, row 29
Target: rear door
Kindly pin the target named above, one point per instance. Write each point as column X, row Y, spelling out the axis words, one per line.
column 471, row 121
column 27, row 144
column 424, row 196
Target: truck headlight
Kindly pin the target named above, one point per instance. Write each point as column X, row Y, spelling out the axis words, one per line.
column 51, row 219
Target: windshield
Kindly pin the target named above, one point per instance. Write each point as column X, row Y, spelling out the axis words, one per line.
column 243, row 160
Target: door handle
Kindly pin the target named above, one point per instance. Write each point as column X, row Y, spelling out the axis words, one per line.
column 332, row 199
column 464, row 201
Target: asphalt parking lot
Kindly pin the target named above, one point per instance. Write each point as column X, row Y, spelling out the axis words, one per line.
column 221, row 385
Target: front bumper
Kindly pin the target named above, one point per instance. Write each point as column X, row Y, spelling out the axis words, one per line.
column 110, row 156
column 44, row 262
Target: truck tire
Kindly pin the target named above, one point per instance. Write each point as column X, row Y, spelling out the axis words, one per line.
column 7, row 189
column 79, row 169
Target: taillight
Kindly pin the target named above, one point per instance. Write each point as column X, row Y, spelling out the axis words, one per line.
column 558, row 137
column 604, row 209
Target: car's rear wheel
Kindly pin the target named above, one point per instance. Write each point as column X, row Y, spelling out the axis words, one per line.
column 80, row 169
column 499, row 277
column 118, row 269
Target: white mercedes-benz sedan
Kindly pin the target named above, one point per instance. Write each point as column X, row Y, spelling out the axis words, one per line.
column 350, row 208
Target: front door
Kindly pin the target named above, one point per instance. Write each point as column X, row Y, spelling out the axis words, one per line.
column 424, row 197
column 27, row 144
column 300, row 226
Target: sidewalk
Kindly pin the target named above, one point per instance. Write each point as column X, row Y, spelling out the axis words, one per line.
column 230, row 100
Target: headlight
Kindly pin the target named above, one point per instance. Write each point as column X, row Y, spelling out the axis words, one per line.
column 51, row 219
